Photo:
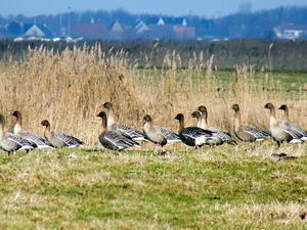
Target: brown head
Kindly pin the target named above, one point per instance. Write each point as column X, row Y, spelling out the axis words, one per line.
column 202, row 109
column 16, row 114
column 147, row 118
column 196, row 114
column 269, row 106
column 179, row 117
column 45, row 123
column 107, row 105
column 283, row 107
column 235, row 107
column 103, row 117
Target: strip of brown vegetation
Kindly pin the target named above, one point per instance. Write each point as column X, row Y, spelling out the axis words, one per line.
column 69, row 88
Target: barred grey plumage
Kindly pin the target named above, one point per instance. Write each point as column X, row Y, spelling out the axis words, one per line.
column 114, row 140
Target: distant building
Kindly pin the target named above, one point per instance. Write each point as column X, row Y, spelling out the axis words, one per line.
column 291, row 31
column 89, row 31
column 184, row 22
column 117, row 27
column 161, row 22
column 169, row 28
column 36, row 31
column 141, row 27
column 184, row 33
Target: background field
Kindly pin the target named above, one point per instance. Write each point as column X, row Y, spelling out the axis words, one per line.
column 220, row 188
column 262, row 54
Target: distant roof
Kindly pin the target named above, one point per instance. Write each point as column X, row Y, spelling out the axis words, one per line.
column 117, row 27
column 141, row 27
column 35, row 27
column 167, row 20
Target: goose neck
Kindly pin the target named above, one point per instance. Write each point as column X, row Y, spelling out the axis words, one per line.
column 237, row 120
column 273, row 120
column 110, row 118
column 47, row 132
column 203, row 121
column 17, row 127
column 148, row 126
column 286, row 114
column 181, row 124
column 104, row 125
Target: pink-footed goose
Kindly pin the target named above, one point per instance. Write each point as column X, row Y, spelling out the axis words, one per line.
column 247, row 133
column 112, row 139
column 39, row 142
column 279, row 131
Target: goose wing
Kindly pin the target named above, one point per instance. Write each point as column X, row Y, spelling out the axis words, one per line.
column 116, row 141
column 70, row 141
column 24, row 144
column 214, row 129
column 258, row 134
column 34, row 139
column 130, row 132
column 169, row 135
column 196, row 132
column 225, row 137
column 299, row 130
column 195, row 136
column 296, row 136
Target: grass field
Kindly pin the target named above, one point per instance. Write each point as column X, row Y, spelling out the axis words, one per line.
column 219, row 188
column 226, row 187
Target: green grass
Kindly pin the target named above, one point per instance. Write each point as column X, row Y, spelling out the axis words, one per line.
column 223, row 188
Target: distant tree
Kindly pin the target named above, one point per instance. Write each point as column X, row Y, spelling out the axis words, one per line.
column 14, row 28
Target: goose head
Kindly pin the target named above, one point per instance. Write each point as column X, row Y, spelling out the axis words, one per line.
column 147, row 118
column 179, row 117
column 283, row 107
column 107, row 105
column 45, row 123
column 16, row 114
column 102, row 115
column 269, row 106
column 235, row 107
column 196, row 114
column 202, row 109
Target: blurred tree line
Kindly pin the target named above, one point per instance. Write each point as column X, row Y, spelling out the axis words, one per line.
column 244, row 24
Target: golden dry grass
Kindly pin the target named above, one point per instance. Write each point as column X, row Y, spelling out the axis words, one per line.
column 69, row 88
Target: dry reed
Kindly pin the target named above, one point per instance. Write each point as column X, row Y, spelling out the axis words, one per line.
column 69, row 88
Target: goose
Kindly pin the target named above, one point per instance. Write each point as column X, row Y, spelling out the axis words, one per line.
column 215, row 139
column 122, row 128
column 192, row 136
column 59, row 139
column 112, row 139
column 10, row 142
column 37, row 141
column 247, row 133
column 279, row 131
column 203, row 123
column 293, row 126
column 152, row 133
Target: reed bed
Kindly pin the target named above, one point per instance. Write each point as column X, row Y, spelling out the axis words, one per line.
column 69, row 89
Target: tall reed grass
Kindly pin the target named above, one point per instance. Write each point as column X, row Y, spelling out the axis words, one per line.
column 69, row 88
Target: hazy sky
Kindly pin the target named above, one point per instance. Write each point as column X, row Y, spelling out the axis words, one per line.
column 207, row 8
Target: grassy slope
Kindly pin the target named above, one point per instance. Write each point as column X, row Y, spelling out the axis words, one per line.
column 220, row 188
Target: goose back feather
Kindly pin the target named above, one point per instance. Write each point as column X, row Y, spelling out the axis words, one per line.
column 114, row 140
